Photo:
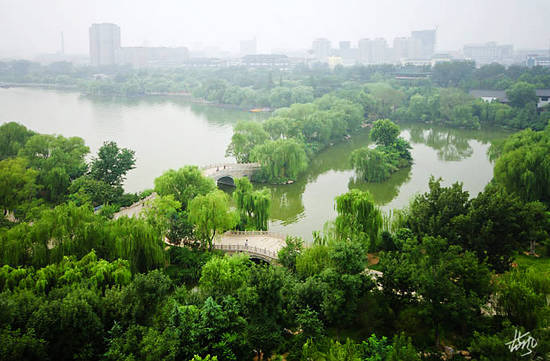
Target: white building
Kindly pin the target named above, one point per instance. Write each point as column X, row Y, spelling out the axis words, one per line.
column 104, row 44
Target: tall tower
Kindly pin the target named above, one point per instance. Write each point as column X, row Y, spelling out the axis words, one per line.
column 62, row 48
column 104, row 44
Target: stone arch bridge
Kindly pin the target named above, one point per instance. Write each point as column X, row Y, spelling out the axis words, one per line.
column 225, row 173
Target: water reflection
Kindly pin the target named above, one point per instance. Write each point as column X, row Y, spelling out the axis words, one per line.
column 451, row 144
column 384, row 192
column 453, row 154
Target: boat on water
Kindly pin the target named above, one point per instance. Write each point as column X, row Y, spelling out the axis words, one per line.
column 259, row 110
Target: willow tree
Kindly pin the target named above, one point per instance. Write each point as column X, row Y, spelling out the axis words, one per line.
column 526, row 171
column 211, row 214
column 63, row 231
column 137, row 241
column 358, row 217
column 281, row 160
column 253, row 206
column 372, row 165
column 17, row 183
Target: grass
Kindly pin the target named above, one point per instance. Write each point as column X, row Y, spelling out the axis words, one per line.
column 541, row 264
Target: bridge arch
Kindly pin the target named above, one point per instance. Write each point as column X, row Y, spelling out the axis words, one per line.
column 226, row 173
column 226, row 180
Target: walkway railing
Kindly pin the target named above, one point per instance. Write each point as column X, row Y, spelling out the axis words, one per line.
column 249, row 249
column 256, row 233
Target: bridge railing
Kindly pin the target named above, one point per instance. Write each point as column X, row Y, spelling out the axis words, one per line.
column 256, row 233
column 230, row 165
column 249, row 249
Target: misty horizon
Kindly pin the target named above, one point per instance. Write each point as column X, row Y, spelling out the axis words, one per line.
column 31, row 28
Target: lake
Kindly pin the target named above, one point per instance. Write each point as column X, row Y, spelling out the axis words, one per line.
column 170, row 132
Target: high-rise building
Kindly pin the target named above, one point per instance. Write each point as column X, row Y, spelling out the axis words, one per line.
column 321, row 49
column 249, row 47
column 373, row 51
column 426, row 39
column 344, row 45
column 104, row 44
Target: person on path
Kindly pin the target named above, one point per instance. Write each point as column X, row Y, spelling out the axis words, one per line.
column 246, row 243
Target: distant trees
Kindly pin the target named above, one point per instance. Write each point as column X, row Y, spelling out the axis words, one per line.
column 521, row 93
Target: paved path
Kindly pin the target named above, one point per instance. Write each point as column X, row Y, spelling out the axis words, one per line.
column 135, row 209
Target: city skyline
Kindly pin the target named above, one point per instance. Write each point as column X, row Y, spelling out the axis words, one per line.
column 275, row 26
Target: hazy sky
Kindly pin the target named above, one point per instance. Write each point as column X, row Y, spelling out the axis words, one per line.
column 28, row 27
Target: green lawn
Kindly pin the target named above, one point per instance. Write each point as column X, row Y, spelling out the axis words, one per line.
column 542, row 264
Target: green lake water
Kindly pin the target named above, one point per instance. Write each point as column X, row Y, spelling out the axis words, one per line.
column 170, row 132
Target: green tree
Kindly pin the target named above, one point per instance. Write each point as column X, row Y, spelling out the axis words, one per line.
column 521, row 93
column 59, row 160
column 159, row 213
column 524, row 166
column 17, row 184
column 184, row 184
column 13, row 137
column 498, row 223
column 112, row 163
column 521, row 295
column 211, row 215
column 97, row 191
column 372, row 165
column 288, row 254
column 246, row 135
column 384, row 132
column 431, row 213
column 280, row 160
column 253, row 206
column 449, row 285
column 358, row 217
column 223, row 276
